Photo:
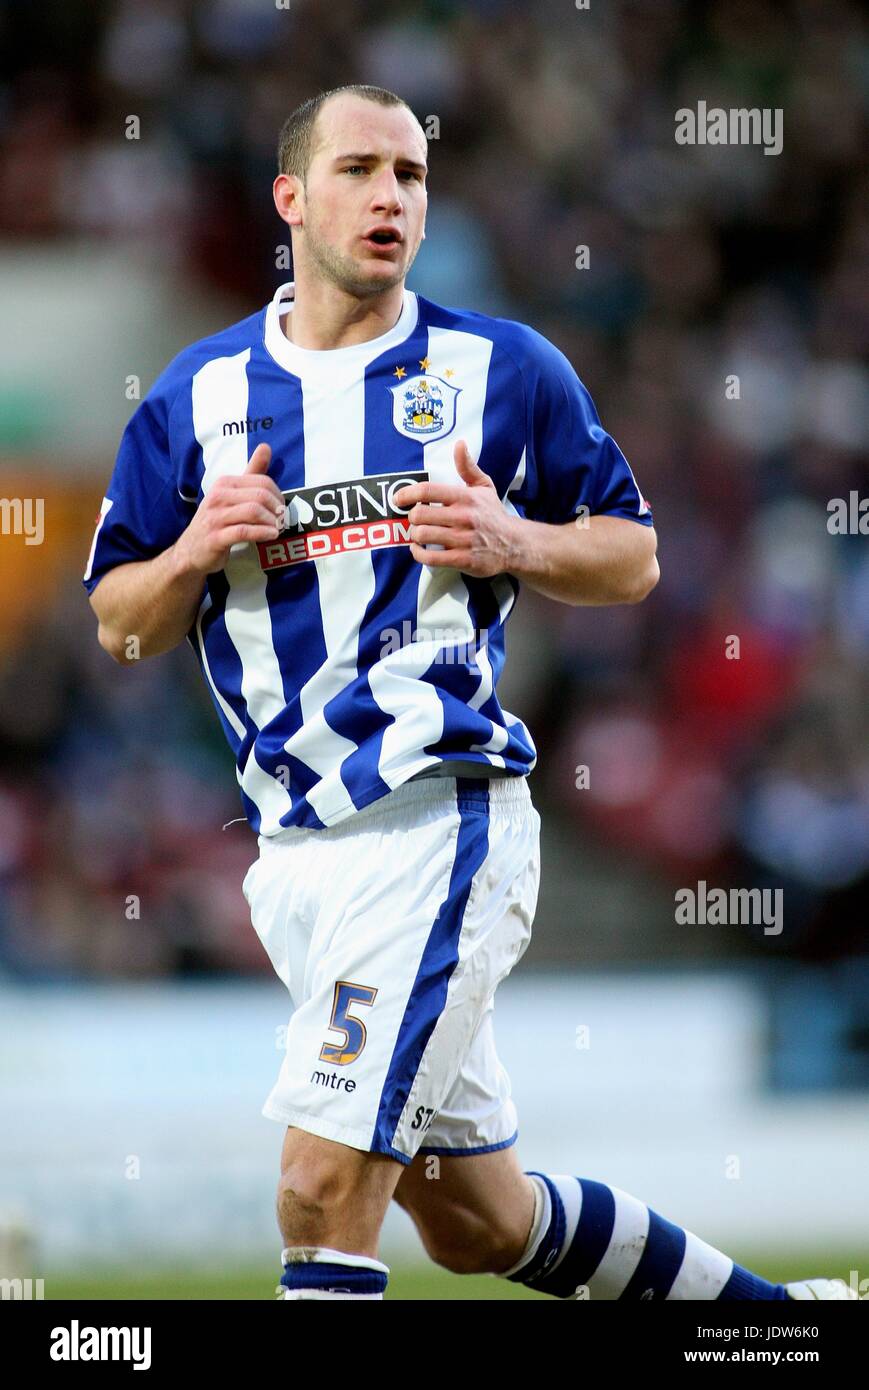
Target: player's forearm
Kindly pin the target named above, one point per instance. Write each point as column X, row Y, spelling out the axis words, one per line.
column 151, row 601
column 601, row 561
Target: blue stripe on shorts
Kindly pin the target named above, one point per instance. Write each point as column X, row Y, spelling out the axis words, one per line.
column 439, row 959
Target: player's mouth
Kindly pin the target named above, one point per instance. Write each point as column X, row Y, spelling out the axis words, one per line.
column 384, row 240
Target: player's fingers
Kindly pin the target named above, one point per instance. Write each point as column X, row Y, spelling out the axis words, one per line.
column 247, row 531
column 462, row 455
column 240, row 512
column 428, row 492
column 244, row 483
column 249, row 496
column 422, row 514
column 260, row 459
column 441, row 535
column 454, row 559
column 469, row 468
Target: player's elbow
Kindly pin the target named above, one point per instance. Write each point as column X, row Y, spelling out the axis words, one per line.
column 112, row 643
column 644, row 581
column 636, row 572
column 119, row 646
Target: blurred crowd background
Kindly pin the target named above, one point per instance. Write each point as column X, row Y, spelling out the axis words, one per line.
column 554, row 130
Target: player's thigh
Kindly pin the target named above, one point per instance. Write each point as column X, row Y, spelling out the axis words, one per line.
column 420, row 910
column 465, row 1197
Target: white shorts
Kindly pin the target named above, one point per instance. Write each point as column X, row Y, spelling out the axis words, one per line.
column 392, row 931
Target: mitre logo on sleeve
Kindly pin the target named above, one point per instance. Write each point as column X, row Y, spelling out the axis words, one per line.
column 424, row 407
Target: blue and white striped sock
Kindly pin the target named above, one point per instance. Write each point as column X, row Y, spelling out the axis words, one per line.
column 589, row 1240
column 313, row 1272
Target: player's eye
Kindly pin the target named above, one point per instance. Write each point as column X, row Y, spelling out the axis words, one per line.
column 355, row 168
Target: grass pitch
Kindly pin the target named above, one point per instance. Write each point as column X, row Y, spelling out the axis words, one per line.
column 410, row 1282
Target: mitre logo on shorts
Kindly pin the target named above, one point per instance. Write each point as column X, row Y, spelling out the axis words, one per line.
column 358, row 515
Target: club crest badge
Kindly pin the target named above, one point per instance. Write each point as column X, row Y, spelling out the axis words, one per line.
column 424, row 407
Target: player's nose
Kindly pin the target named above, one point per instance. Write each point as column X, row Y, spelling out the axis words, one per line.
column 386, row 193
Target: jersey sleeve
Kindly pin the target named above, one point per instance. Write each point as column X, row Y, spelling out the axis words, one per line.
column 142, row 513
column 572, row 461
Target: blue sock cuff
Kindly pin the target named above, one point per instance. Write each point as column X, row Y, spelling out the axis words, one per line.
column 335, row 1278
column 745, row 1286
column 552, row 1241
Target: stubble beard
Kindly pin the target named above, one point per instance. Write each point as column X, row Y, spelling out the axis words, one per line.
column 342, row 271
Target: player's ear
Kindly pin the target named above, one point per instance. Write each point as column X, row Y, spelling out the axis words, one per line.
column 287, row 191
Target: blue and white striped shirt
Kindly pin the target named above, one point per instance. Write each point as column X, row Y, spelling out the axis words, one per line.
column 340, row 666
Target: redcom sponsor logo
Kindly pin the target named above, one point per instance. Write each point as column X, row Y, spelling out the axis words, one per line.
column 358, row 515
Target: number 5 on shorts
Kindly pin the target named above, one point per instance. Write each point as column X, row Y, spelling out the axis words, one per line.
column 346, row 993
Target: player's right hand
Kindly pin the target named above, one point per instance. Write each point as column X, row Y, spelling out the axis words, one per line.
column 242, row 508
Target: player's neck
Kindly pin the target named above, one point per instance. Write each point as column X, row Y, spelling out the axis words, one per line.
column 326, row 317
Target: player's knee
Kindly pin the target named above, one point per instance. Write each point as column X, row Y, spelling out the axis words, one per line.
column 311, row 1194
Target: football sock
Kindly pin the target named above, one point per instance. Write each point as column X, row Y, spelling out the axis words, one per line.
column 590, row 1240
column 312, row 1272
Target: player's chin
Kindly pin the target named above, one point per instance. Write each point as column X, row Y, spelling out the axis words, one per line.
column 383, row 270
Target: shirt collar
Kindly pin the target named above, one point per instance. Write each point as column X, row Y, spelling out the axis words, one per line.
column 299, row 360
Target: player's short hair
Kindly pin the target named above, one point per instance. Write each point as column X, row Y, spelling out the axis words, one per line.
column 296, row 140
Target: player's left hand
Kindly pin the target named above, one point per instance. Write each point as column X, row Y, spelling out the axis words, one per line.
column 469, row 520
